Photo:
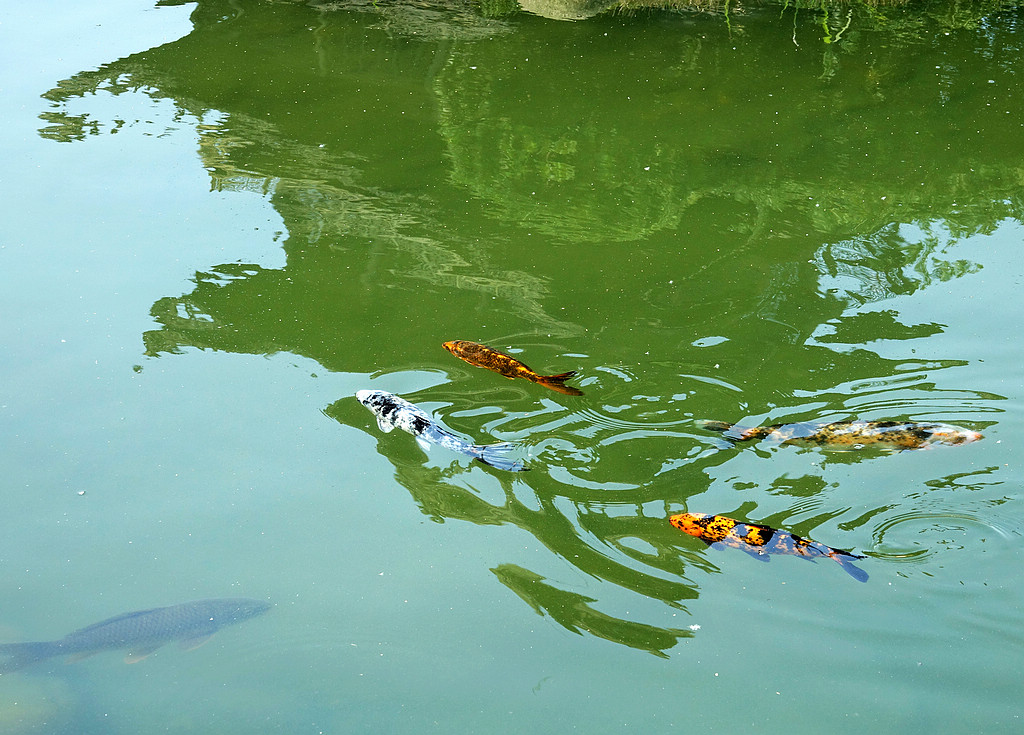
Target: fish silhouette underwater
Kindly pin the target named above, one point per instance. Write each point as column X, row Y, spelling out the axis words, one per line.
column 487, row 357
column 896, row 435
column 761, row 541
column 392, row 411
column 140, row 632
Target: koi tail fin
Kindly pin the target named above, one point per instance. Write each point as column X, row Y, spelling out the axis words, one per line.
column 733, row 432
column 722, row 426
column 843, row 558
column 494, row 455
column 557, row 383
column 14, row 656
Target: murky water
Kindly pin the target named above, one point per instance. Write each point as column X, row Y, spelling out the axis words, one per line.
column 223, row 220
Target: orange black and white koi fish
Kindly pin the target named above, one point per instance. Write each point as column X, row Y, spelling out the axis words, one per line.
column 486, row 357
column 851, row 434
column 760, row 541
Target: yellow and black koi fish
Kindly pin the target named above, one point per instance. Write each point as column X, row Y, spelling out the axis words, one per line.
column 486, row 357
column 760, row 541
column 851, row 434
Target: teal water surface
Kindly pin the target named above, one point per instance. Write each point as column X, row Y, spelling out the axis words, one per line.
column 223, row 219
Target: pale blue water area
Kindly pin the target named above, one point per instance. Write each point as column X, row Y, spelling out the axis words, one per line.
column 222, row 220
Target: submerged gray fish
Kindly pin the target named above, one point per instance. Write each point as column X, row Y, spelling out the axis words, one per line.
column 140, row 632
column 392, row 411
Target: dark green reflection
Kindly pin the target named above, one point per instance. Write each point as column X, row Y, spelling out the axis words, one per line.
column 705, row 151
column 573, row 612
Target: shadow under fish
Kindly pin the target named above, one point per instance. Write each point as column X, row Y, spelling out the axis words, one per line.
column 498, row 362
column 896, row 435
column 761, row 541
column 140, row 632
column 392, row 411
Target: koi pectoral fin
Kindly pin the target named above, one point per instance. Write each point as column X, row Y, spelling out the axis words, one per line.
column 139, row 654
column 384, row 425
column 190, row 644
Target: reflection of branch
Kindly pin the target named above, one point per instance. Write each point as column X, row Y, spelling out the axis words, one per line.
column 573, row 612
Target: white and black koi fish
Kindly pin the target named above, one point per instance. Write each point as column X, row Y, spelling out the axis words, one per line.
column 392, row 411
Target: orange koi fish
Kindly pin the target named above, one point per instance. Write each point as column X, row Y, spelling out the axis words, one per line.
column 760, row 541
column 486, row 357
column 852, row 434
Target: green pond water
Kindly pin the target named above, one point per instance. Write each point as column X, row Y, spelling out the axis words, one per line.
column 223, row 219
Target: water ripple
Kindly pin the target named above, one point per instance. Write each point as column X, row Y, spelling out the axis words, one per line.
column 916, row 536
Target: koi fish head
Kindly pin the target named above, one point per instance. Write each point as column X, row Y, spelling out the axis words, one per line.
column 371, row 398
column 706, row 527
column 382, row 404
column 688, row 523
column 944, row 434
column 456, row 346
